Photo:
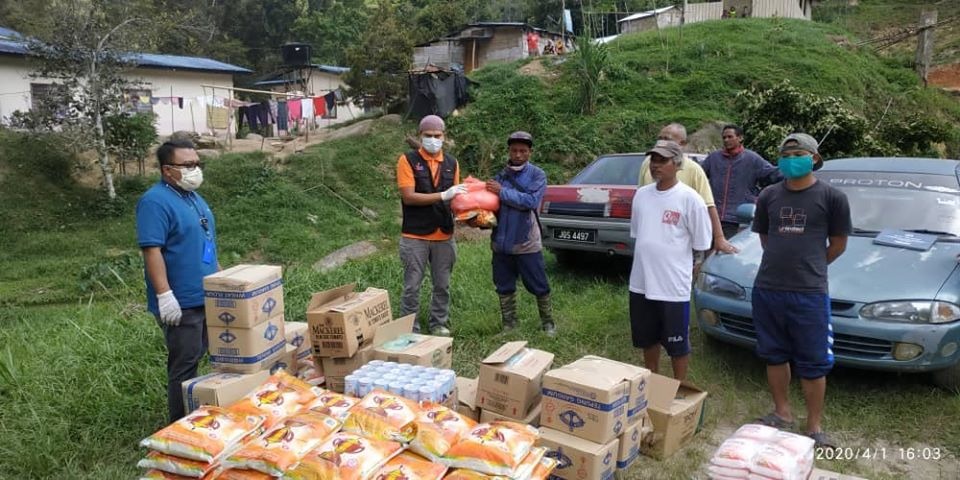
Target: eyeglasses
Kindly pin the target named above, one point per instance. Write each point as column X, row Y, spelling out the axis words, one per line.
column 186, row 166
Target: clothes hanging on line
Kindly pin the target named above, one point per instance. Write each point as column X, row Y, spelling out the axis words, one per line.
column 306, row 106
column 319, row 106
column 263, row 113
column 282, row 116
column 331, row 101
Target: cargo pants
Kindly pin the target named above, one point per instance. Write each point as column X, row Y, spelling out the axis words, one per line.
column 415, row 254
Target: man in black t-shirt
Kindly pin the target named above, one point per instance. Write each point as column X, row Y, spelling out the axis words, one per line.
column 803, row 226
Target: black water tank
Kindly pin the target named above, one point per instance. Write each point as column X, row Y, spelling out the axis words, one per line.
column 295, row 54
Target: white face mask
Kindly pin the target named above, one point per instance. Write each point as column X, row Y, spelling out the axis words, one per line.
column 190, row 180
column 517, row 168
column 430, row 144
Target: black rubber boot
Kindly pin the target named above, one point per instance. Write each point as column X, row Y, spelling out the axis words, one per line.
column 546, row 315
column 508, row 310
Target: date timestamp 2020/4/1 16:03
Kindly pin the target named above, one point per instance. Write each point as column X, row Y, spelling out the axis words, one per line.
column 881, row 453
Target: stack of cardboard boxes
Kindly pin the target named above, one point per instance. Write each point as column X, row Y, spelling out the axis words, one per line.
column 349, row 328
column 593, row 417
column 509, row 386
column 246, row 332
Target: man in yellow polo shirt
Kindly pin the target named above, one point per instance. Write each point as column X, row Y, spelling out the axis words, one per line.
column 692, row 175
column 428, row 179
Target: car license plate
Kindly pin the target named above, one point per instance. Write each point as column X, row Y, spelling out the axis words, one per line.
column 575, row 235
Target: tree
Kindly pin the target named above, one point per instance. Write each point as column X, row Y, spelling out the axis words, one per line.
column 379, row 63
column 86, row 56
column 332, row 29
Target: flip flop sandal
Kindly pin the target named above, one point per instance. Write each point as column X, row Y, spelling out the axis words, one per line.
column 773, row 420
column 821, row 440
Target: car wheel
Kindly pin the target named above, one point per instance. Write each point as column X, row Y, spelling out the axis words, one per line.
column 948, row 378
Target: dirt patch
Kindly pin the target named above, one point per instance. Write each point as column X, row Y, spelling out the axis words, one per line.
column 537, row 68
column 946, row 77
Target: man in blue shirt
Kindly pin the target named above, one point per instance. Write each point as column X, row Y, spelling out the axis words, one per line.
column 516, row 244
column 736, row 176
column 177, row 234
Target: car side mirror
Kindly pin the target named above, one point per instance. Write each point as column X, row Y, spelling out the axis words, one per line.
column 746, row 212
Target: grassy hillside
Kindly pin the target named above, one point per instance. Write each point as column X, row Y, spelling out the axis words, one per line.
column 655, row 78
column 877, row 18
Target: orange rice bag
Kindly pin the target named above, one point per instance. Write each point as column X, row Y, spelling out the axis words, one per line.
column 161, row 475
column 238, row 474
column 464, row 474
column 345, row 456
column 438, row 429
column 383, row 416
column 529, row 463
column 494, row 448
column 279, row 397
column 333, row 404
column 180, row 466
column 408, row 466
column 283, row 446
column 204, row 434
column 544, row 468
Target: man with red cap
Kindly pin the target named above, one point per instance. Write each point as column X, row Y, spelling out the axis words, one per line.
column 428, row 179
column 517, row 249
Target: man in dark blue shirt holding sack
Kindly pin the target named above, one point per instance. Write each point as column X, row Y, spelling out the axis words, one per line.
column 516, row 243
column 803, row 226
column 177, row 235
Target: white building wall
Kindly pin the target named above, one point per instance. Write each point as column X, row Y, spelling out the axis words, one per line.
column 778, row 8
column 320, row 84
column 15, row 93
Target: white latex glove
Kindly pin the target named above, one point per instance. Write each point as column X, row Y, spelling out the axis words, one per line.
column 453, row 191
column 170, row 312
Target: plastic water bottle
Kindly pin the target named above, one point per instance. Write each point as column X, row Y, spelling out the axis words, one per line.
column 428, row 394
column 350, row 385
column 381, row 384
column 411, row 391
column 374, row 363
column 364, row 386
column 389, row 364
column 396, row 388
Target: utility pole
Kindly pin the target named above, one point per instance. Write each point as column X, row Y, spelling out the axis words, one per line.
column 925, row 43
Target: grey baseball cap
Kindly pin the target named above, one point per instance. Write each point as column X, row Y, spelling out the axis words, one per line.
column 802, row 141
column 666, row 149
column 520, row 136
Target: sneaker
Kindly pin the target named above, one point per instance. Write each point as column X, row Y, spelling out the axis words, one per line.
column 550, row 329
column 441, row 331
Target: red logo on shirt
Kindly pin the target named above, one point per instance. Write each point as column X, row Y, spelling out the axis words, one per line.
column 671, row 218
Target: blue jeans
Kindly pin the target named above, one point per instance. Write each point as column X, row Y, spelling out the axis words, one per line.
column 186, row 345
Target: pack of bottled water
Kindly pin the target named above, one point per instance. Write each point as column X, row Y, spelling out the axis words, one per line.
column 413, row 382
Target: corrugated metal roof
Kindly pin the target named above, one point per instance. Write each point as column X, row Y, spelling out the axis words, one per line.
column 145, row 60
column 777, row 8
column 702, row 12
column 649, row 13
column 278, row 79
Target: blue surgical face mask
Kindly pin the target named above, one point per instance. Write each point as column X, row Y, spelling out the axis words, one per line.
column 796, row 167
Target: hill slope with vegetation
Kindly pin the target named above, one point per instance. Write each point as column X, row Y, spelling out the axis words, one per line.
column 693, row 76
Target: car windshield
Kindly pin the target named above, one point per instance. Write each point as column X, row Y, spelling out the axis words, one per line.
column 903, row 201
column 613, row 170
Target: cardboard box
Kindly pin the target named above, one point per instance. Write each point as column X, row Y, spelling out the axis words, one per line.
column 287, row 361
column 343, row 321
column 630, row 440
column 587, row 398
column 416, row 349
column 510, row 379
column 676, row 413
column 247, row 350
column 639, row 380
column 467, row 398
column 335, row 369
column 243, row 296
column 220, row 389
column 297, row 334
column 579, row 459
column 532, row 417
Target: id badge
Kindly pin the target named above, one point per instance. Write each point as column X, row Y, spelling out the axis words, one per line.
column 208, row 251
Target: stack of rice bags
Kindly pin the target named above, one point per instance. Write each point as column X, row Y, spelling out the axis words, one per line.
column 202, row 444
column 759, row 452
column 287, row 429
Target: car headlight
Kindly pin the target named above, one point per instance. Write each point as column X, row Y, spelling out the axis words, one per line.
column 912, row 311
column 720, row 286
